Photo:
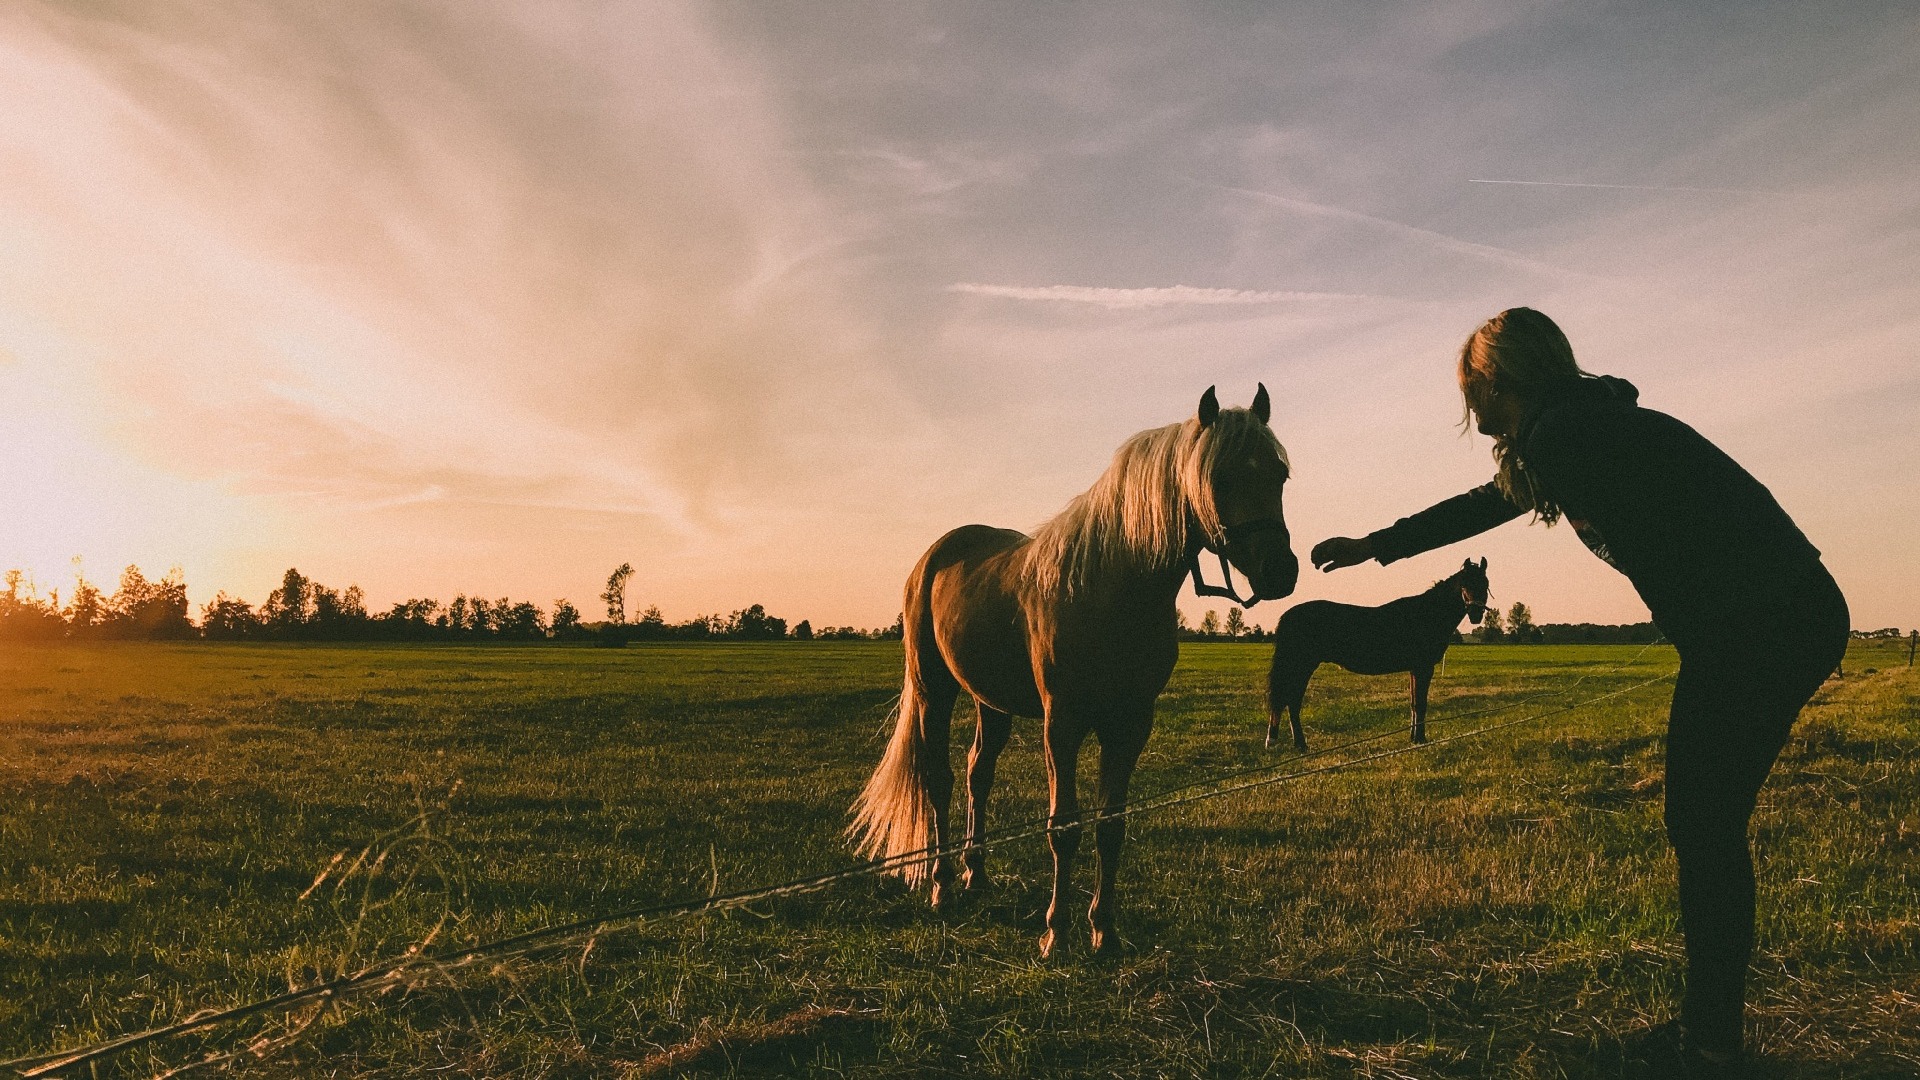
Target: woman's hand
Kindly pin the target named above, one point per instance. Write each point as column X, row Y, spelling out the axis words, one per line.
column 1341, row 551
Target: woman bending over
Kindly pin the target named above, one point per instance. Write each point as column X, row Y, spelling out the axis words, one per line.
column 1727, row 576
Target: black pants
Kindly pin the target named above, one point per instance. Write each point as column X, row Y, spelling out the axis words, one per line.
column 1733, row 707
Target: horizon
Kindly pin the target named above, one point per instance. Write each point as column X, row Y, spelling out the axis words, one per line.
column 115, row 606
column 432, row 296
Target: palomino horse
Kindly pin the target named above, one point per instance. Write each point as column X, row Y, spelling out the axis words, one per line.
column 1409, row 634
column 1074, row 625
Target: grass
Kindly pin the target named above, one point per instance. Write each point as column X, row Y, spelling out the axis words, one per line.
column 1499, row 907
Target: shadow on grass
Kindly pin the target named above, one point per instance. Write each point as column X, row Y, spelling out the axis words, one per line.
column 781, row 1046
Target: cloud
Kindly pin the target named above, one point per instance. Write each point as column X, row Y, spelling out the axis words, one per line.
column 494, row 294
column 377, row 267
column 1155, row 297
column 1412, row 232
column 1632, row 187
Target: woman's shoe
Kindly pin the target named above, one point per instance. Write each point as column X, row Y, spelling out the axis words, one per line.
column 1663, row 1052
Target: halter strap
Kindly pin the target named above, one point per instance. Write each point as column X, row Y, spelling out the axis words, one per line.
column 1201, row 588
column 1237, row 531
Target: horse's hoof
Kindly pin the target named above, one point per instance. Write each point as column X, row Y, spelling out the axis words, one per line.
column 974, row 882
column 1051, row 942
column 942, row 898
column 1271, row 740
column 1106, row 943
column 1301, row 746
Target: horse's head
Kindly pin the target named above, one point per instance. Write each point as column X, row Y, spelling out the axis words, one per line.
column 1471, row 580
column 1235, row 478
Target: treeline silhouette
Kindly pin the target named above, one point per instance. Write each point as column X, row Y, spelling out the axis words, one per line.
column 302, row 609
column 1516, row 627
column 1211, row 628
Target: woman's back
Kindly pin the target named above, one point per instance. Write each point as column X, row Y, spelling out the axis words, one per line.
column 1705, row 543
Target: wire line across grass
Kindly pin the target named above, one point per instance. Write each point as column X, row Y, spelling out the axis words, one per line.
column 401, row 970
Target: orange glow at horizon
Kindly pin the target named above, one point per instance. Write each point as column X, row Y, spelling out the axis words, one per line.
column 443, row 298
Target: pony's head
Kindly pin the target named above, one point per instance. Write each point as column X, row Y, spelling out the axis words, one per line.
column 1233, row 473
column 1471, row 580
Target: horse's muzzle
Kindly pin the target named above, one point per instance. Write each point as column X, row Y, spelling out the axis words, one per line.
column 1262, row 551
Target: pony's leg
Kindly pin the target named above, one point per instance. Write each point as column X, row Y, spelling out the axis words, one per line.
column 936, row 720
column 1119, row 751
column 990, row 735
column 1275, row 697
column 1298, row 695
column 1063, row 738
column 1420, row 679
column 1286, row 687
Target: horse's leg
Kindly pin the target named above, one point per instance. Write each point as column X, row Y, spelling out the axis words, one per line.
column 1420, row 678
column 1063, row 737
column 1120, row 748
column 937, row 723
column 1293, row 707
column 1275, row 694
column 1286, row 686
column 989, row 738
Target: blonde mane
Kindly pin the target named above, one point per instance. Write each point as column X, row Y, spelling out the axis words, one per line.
column 1135, row 517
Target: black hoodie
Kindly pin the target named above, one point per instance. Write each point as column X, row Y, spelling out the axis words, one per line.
column 1709, row 550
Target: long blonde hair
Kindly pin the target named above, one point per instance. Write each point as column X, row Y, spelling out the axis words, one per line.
column 1523, row 353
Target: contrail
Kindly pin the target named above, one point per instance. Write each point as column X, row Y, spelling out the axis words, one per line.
column 1159, row 296
column 1633, row 187
column 1411, row 232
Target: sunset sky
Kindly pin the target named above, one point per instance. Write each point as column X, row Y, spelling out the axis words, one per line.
column 762, row 298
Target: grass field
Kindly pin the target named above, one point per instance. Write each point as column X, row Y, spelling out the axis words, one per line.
column 1499, row 907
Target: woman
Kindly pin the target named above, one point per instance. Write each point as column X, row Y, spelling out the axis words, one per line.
column 1728, row 577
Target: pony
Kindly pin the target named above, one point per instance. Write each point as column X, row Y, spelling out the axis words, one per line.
column 1073, row 625
column 1410, row 634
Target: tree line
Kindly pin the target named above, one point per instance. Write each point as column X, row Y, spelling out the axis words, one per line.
column 1516, row 627
column 1211, row 628
column 303, row 609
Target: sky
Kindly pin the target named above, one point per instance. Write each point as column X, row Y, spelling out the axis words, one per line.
column 763, row 298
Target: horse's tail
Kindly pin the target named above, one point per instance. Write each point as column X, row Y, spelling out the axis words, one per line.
column 894, row 816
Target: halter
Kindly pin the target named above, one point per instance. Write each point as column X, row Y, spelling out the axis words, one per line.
column 1485, row 605
column 1237, row 530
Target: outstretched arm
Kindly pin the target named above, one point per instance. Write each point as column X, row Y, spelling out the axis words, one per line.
column 1448, row 522
column 1339, row 551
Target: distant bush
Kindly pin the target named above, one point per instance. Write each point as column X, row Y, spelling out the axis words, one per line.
column 24, row 616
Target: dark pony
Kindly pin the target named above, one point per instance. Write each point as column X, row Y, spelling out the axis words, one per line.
column 1074, row 625
column 1410, row 634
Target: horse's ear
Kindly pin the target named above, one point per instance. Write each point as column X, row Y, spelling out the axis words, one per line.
column 1483, row 564
column 1262, row 408
column 1209, row 408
